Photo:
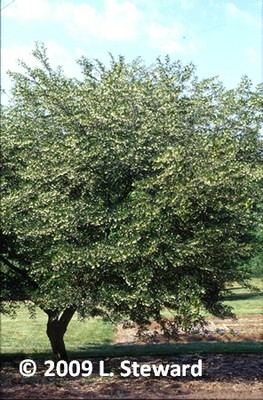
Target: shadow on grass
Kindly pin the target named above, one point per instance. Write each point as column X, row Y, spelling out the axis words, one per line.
column 139, row 350
column 243, row 296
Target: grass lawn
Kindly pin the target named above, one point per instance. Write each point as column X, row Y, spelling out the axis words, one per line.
column 23, row 335
column 244, row 301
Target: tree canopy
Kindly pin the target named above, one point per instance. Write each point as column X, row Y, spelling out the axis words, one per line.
column 132, row 190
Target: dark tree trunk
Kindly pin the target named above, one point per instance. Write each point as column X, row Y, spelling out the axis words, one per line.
column 56, row 328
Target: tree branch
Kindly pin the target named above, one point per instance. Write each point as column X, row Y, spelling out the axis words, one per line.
column 19, row 271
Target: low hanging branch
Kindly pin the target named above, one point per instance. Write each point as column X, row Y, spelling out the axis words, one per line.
column 21, row 272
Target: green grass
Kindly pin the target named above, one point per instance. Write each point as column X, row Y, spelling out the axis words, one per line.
column 137, row 350
column 24, row 334
column 244, row 301
column 91, row 337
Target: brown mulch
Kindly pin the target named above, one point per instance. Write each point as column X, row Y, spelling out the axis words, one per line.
column 249, row 328
column 228, row 376
column 224, row 377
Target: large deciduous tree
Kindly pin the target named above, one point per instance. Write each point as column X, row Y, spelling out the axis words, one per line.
column 132, row 190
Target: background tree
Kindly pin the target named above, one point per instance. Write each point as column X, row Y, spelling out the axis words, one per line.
column 127, row 192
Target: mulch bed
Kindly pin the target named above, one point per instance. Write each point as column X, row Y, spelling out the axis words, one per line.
column 248, row 327
column 224, row 377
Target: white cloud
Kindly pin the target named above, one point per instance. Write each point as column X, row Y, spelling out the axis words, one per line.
column 166, row 39
column 171, row 39
column 118, row 21
column 234, row 12
column 29, row 10
column 115, row 21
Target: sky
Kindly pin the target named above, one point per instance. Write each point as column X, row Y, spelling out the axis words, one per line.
column 222, row 38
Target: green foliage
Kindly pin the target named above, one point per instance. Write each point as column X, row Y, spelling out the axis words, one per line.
column 256, row 263
column 131, row 190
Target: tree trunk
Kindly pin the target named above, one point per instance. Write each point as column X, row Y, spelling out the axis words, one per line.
column 56, row 328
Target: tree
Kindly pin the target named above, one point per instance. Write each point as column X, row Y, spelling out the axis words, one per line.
column 127, row 192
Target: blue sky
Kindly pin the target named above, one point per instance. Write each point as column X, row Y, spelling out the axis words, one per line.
column 220, row 37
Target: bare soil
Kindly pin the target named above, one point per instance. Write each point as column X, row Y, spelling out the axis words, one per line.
column 228, row 376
